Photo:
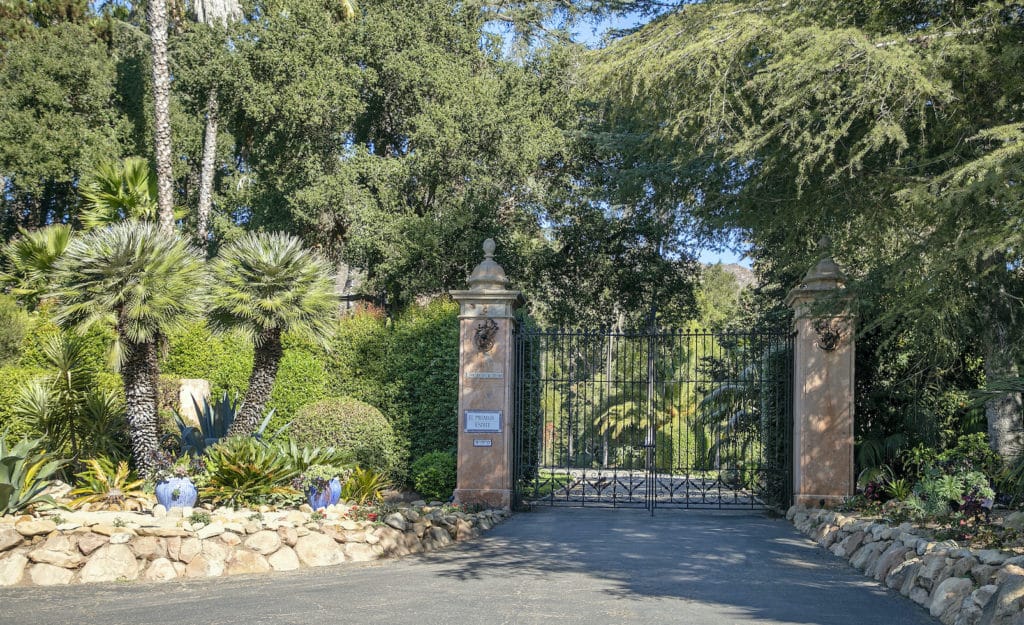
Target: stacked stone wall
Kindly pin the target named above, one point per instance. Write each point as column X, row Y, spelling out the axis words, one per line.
column 958, row 586
column 105, row 547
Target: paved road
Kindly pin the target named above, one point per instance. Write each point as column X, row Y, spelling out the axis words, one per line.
column 549, row 567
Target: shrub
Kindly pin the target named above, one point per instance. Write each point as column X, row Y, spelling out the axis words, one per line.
column 225, row 360
column 105, row 487
column 195, row 352
column 433, row 475
column 243, row 471
column 12, row 380
column 14, row 324
column 407, row 367
column 352, row 427
column 301, row 379
column 364, row 486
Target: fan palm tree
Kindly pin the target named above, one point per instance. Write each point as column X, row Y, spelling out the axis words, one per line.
column 30, row 259
column 145, row 282
column 117, row 191
column 266, row 285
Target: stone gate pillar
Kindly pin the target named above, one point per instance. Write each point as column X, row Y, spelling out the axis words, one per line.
column 486, row 377
column 823, row 384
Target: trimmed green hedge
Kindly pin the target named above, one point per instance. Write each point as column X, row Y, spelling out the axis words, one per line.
column 407, row 367
column 434, row 474
column 353, row 427
column 12, row 379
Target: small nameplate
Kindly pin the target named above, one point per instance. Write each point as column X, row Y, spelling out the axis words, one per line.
column 485, row 375
column 482, row 442
column 483, row 421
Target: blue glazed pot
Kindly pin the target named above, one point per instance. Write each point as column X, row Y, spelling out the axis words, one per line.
column 335, row 488
column 176, row 492
column 318, row 498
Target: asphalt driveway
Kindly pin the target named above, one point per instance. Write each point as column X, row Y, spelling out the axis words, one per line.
column 550, row 566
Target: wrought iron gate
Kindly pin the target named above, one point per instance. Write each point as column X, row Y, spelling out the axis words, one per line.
column 651, row 419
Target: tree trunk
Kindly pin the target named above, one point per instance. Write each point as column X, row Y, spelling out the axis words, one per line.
column 157, row 17
column 139, row 373
column 1003, row 413
column 261, row 382
column 206, row 173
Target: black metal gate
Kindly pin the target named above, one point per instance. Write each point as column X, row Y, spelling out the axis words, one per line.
column 665, row 418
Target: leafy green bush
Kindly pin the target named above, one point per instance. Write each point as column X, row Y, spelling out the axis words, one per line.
column 195, row 352
column 225, row 360
column 433, row 475
column 941, row 492
column 351, row 426
column 407, row 367
column 301, row 379
column 243, row 471
column 301, row 458
column 14, row 325
column 12, row 381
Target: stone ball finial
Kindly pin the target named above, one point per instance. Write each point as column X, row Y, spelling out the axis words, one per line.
column 825, row 244
column 488, row 275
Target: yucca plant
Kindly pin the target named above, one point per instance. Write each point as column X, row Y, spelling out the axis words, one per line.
column 243, row 471
column 25, row 472
column 266, row 285
column 66, row 406
column 145, row 283
column 364, row 486
column 106, row 487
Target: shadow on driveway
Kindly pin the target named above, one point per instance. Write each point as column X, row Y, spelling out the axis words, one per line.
column 546, row 567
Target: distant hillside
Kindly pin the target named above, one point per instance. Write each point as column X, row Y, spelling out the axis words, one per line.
column 744, row 276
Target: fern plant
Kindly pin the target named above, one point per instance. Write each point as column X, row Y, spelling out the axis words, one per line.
column 106, row 487
column 25, row 471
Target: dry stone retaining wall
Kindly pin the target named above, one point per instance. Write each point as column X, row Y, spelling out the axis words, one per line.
column 956, row 585
column 123, row 546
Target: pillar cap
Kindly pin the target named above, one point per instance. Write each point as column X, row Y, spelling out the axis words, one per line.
column 488, row 275
column 823, row 277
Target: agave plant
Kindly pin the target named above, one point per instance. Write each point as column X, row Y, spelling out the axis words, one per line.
column 25, row 472
column 105, row 487
column 215, row 421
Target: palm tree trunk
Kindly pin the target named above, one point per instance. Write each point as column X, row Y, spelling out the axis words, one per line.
column 157, row 17
column 206, row 173
column 1003, row 413
column 261, row 382
column 139, row 373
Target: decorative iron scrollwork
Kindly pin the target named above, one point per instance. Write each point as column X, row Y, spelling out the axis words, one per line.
column 829, row 335
column 483, row 336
